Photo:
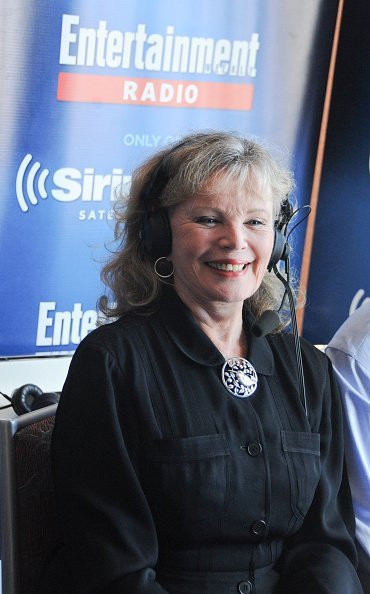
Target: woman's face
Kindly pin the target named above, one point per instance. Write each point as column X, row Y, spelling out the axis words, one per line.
column 221, row 246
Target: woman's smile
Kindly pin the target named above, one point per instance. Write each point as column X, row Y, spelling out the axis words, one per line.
column 227, row 266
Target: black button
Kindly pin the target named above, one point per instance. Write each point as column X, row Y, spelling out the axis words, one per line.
column 258, row 527
column 245, row 587
column 254, row 448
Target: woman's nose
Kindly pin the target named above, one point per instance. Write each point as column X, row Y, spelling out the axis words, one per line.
column 233, row 237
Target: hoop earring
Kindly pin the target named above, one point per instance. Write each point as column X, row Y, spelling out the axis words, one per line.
column 164, row 264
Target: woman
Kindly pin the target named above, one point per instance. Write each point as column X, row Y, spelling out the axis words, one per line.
column 177, row 469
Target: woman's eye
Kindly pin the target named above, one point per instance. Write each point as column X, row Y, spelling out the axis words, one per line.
column 206, row 220
column 255, row 223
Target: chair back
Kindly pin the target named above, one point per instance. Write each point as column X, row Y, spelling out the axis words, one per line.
column 27, row 504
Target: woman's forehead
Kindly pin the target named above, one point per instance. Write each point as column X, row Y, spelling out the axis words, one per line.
column 244, row 180
column 229, row 200
column 225, row 188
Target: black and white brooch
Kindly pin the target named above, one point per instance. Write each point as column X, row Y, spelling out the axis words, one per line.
column 239, row 377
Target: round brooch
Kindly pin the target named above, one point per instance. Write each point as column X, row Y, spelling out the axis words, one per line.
column 239, row 377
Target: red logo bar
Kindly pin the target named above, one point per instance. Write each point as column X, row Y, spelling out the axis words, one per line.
column 95, row 88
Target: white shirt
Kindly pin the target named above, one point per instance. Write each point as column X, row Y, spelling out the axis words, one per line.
column 349, row 351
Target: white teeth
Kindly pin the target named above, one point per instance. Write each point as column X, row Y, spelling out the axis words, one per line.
column 226, row 267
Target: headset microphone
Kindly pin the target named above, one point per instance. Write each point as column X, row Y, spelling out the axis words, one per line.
column 266, row 323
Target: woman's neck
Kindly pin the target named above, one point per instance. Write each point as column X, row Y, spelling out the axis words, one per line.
column 229, row 346
column 224, row 327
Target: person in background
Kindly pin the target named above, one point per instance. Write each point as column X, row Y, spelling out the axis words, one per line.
column 185, row 460
column 349, row 351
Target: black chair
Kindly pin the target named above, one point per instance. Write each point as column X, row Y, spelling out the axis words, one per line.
column 28, row 517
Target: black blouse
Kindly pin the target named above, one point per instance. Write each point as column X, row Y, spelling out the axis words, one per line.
column 167, row 483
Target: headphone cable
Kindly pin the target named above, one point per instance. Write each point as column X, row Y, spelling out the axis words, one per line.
column 6, row 398
column 297, row 344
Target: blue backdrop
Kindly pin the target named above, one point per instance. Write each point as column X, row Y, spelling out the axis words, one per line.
column 89, row 89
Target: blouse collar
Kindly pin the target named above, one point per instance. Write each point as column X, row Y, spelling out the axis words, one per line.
column 195, row 344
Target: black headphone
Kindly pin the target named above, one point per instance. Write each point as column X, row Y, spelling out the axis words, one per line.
column 281, row 247
column 30, row 397
column 155, row 231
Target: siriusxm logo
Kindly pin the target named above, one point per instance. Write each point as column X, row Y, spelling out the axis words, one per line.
column 67, row 184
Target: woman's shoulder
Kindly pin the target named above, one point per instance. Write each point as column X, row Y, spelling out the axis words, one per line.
column 118, row 335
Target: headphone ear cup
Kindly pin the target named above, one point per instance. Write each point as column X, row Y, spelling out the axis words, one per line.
column 280, row 250
column 23, row 398
column 157, row 234
column 45, row 399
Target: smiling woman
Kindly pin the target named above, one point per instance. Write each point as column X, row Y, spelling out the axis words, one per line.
column 216, row 177
column 184, row 460
column 222, row 243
